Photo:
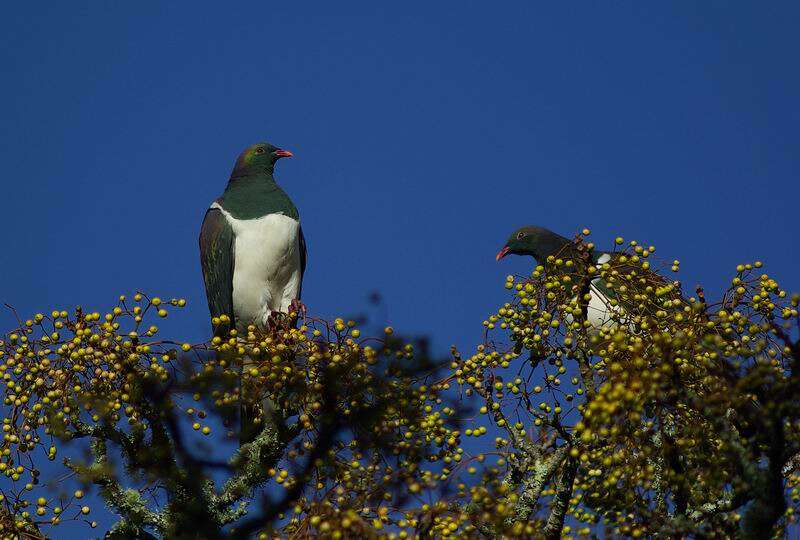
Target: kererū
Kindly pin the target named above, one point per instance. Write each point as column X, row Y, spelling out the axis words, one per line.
column 252, row 252
column 541, row 243
column 252, row 248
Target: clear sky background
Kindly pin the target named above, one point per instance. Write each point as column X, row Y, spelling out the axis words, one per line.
column 423, row 133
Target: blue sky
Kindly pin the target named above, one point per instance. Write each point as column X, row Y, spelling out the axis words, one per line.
column 423, row 134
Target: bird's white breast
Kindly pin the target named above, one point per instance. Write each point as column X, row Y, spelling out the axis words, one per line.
column 266, row 272
column 599, row 311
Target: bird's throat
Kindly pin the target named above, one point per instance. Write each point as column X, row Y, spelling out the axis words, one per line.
column 253, row 196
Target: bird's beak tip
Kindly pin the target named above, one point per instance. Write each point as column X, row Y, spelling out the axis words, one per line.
column 502, row 253
column 282, row 153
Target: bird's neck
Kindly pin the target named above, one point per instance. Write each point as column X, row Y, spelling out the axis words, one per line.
column 551, row 244
column 255, row 195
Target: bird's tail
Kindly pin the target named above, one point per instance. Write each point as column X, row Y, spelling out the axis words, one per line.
column 253, row 418
column 250, row 423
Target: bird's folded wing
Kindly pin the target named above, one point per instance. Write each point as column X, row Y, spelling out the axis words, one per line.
column 217, row 259
column 624, row 270
column 303, row 258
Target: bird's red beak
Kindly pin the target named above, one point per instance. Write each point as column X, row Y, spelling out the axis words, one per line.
column 502, row 253
column 282, row 153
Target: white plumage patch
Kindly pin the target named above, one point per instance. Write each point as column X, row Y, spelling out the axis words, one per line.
column 599, row 312
column 604, row 258
column 266, row 272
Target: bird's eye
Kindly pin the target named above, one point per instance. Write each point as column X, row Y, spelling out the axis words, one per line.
column 259, row 150
column 520, row 235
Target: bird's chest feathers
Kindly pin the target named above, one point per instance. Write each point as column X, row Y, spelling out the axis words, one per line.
column 266, row 246
column 266, row 272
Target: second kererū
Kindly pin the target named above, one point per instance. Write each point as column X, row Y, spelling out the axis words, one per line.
column 541, row 244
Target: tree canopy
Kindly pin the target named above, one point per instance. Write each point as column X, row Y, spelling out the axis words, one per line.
column 678, row 417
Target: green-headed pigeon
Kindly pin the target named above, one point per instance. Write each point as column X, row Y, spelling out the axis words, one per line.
column 604, row 301
column 252, row 247
column 253, row 255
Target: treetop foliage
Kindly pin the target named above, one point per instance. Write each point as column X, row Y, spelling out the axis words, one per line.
column 677, row 416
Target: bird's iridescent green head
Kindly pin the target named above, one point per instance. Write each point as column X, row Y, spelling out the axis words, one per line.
column 258, row 158
column 537, row 242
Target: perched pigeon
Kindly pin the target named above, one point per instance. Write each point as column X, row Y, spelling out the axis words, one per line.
column 252, row 247
column 541, row 243
column 253, row 253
